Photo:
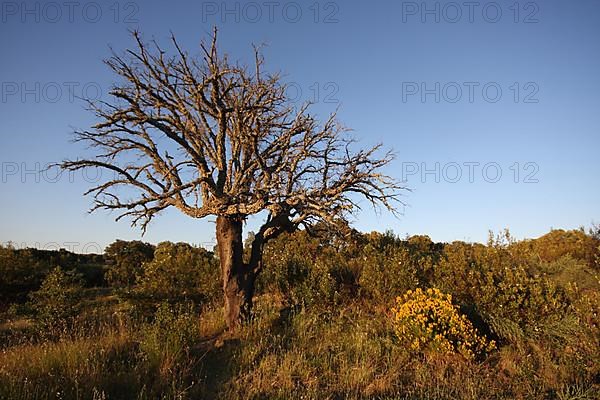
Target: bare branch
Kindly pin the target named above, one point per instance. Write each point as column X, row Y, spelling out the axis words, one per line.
column 214, row 138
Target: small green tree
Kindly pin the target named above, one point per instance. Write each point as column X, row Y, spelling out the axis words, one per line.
column 56, row 302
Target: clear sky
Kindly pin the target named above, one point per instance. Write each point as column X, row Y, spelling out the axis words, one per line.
column 493, row 108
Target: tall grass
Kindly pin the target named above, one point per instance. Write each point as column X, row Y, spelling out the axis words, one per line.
column 345, row 353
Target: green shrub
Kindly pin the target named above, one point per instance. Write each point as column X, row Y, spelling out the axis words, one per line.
column 387, row 272
column 20, row 273
column 558, row 243
column 293, row 269
column 392, row 266
column 125, row 261
column 180, row 271
column 497, row 283
column 56, row 303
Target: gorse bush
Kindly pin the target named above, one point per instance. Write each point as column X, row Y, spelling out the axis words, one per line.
column 427, row 320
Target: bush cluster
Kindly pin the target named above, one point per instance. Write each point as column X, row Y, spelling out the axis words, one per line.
column 506, row 319
column 180, row 271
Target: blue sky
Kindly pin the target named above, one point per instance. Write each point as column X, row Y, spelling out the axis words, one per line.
column 492, row 89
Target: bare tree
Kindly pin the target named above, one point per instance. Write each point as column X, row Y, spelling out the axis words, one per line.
column 210, row 137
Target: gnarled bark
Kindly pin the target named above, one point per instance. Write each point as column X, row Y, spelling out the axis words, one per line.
column 238, row 277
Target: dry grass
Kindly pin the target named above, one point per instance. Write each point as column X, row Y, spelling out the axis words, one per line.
column 346, row 353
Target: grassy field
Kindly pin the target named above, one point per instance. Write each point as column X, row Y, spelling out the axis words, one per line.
column 329, row 331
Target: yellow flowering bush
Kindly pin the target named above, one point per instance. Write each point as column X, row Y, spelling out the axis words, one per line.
column 427, row 320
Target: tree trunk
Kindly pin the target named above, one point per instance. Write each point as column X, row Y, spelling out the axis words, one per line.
column 238, row 278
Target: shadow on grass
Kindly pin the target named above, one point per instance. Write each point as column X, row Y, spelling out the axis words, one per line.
column 217, row 364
